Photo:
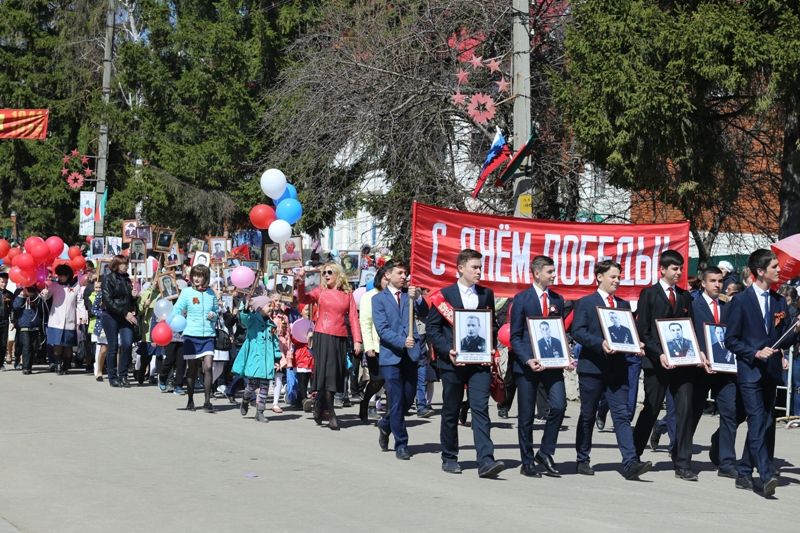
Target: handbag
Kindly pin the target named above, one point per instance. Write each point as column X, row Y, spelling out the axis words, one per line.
column 497, row 385
column 222, row 340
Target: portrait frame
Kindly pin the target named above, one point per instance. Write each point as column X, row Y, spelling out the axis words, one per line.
column 272, row 254
column 296, row 260
column 161, row 234
column 215, row 257
column 472, row 354
column 559, row 346
column 167, row 292
column 626, row 321
column 145, row 233
column 103, row 266
column 98, row 241
column 350, row 262
column 129, row 230
column 113, row 245
column 252, row 265
column 131, row 258
column 284, row 296
column 175, row 262
column 197, row 245
column 709, row 329
column 226, row 276
column 227, row 301
column 201, row 258
column 312, row 279
column 250, row 291
column 664, row 328
column 364, row 276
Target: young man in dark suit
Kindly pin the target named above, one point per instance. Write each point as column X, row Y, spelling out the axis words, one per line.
column 756, row 320
column 666, row 300
column 708, row 308
column 464, row 294
column 537, row 301
column 602, row 372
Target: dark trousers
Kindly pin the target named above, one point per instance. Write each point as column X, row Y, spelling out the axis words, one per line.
column 679, row 381
column 634, row 368
column 3, row 341
column 552, row 381
column 173, row 358
column 731, row 413
column 28, row 341
column 667, row 423
column 120, row 341
column 758, row 400
column 401, row 386
column 477, row 379
column 614, row 388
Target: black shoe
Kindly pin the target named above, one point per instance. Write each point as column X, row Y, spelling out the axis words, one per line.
column 260, row 416
column 685, row 474
column 124, row 382
column 190, row 405
column 655, row 436
column 402, row 453
column 529, row 471
column 743, row 482
column 383, row 439
column 426, row 412
column 729, row 472
column 600, row 422
column 585, row 469
column 768, row 490
column 502, row 412
column 244, row 406
column 208, row 408
column 451, row 467
column 491, row 469
column 113, row 382
column 636, row 469
column 547, row 462
column 26, row 372
column 99, row 379
column 346, row 402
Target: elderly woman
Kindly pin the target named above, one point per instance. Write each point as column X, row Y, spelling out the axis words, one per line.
column 334, row 300
column 62, row 325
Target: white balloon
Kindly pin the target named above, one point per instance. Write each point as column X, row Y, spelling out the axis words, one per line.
column 280, row 231
column 162, row 309
column 182, row 284
column 273, row 183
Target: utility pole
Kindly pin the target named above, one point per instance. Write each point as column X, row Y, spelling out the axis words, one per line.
column 102, row 148
column 521, row 88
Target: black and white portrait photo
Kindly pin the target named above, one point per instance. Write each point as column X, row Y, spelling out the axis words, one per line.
column 284, row 286
column 679, row 341
column 619, row 329
column 549, row 341
column 98, row 247
column 168, row 287
column 202, row 258
column 472, row 335
column 722, row 359
column 367, row 275
column 218, row 248
column 138, row 251
column 164, row 240
column 113, row 245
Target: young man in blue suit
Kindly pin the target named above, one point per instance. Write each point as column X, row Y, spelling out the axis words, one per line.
column 756, row 320
column 602, row 372
column 464, row 294
column 399, row 353
column 537, row 301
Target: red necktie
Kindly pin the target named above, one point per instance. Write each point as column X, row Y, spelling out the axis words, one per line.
column 545, row 309
column 671, row 297
column 716, row 311
column 610, row 301
column 398, row 297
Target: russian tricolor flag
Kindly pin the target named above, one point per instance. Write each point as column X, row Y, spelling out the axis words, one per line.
column 498, row 154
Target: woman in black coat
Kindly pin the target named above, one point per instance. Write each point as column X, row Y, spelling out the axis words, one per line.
column 119, row 320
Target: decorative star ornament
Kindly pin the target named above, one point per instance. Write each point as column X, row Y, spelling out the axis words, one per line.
column 503, row 86
column 493, row 65
column 462, row 76
column 476, row 62
column 458, row 99
column 481, row 108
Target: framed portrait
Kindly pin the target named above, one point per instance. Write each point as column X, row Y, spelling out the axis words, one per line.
column 172, row 258
column 367, row 275
column 549, row 341
column 313, row 279
column 292, row 253
column 678, row 341
column 129, row 230
column 226, row 276
column 472, row 335
column 217, row 246
column 98, row 247
column 146, row 234
column 619, row 329
column 272, row 269
column 197, row 245
column 234, row 262
column 165, row 239
column 284, row 286
column 722, row 359
column 168, row 286
column 227, row 302
column 252, row 265
column 252, row 290
column 350, row 262
column 103, row 267
column 113, row 245
column 138, row 252
column 138, row 270
column 201, row 258
column 272, row 254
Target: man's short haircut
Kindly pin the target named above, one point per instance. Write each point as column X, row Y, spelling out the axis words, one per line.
column 670, row 258
column 466, row 255
column 710, row 270
column 394, row 263
column 675, row 324
column 470, row 317
column 4, row 275
column 760, row 259
column 604, row 266
column 544, row 323
column 541, row 261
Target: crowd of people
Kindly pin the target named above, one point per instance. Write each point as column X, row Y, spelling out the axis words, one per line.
column 388, row 348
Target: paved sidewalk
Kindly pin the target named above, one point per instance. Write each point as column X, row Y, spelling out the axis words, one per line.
column 80, row 456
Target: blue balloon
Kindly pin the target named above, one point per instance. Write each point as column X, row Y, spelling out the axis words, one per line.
column 289, row 210
column 290, row 192
column 178, row 323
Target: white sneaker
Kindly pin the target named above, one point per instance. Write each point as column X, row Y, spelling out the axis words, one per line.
column 221, row 389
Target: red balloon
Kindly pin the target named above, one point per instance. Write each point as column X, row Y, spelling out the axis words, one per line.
column 262, row 215
column 504, row 335
column 40, row 253
column 89, row 239
column 11, row 255
column 74, row 251
column 29, row 242
column 25, row 261
column 14, row 273
column 56, row 246
column 161, row 334
column 28, row 279
column 77, row 263
column 4, row 248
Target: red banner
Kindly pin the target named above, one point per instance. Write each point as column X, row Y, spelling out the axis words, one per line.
column 23, row 123
column 509, row 245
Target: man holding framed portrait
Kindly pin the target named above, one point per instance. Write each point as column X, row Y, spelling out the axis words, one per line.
column 532, row 342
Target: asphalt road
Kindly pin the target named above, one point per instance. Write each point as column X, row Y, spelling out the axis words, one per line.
column 80, row 456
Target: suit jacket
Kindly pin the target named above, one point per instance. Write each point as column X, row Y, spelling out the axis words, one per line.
column 439, row 331
column 653, row 304
column 527, row 304
column 620, row 334
column 391, row 322
column 587, row 332
column 746, row 335
column 554, row 350
column 283, row 288
column 721, row 354
column 473, row 344
column 680, row 348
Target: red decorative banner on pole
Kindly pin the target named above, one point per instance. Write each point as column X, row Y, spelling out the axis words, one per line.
column 23, row 123
column 509, row 245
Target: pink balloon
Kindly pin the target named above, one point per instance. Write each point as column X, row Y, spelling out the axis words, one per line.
column 300, row 329
column 358, row 293
column 242, row 277
column 504, row 335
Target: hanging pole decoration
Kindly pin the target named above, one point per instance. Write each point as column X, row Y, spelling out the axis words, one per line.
column 75, row 169
column 28, row 124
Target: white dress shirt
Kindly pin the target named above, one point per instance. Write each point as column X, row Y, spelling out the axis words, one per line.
column 469, row 297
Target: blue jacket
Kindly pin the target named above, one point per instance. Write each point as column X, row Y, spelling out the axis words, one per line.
column 29, row 317
column 526, row 304
column 587, row 332
column 260, row 350
column 391, row 322
column 195, row 306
